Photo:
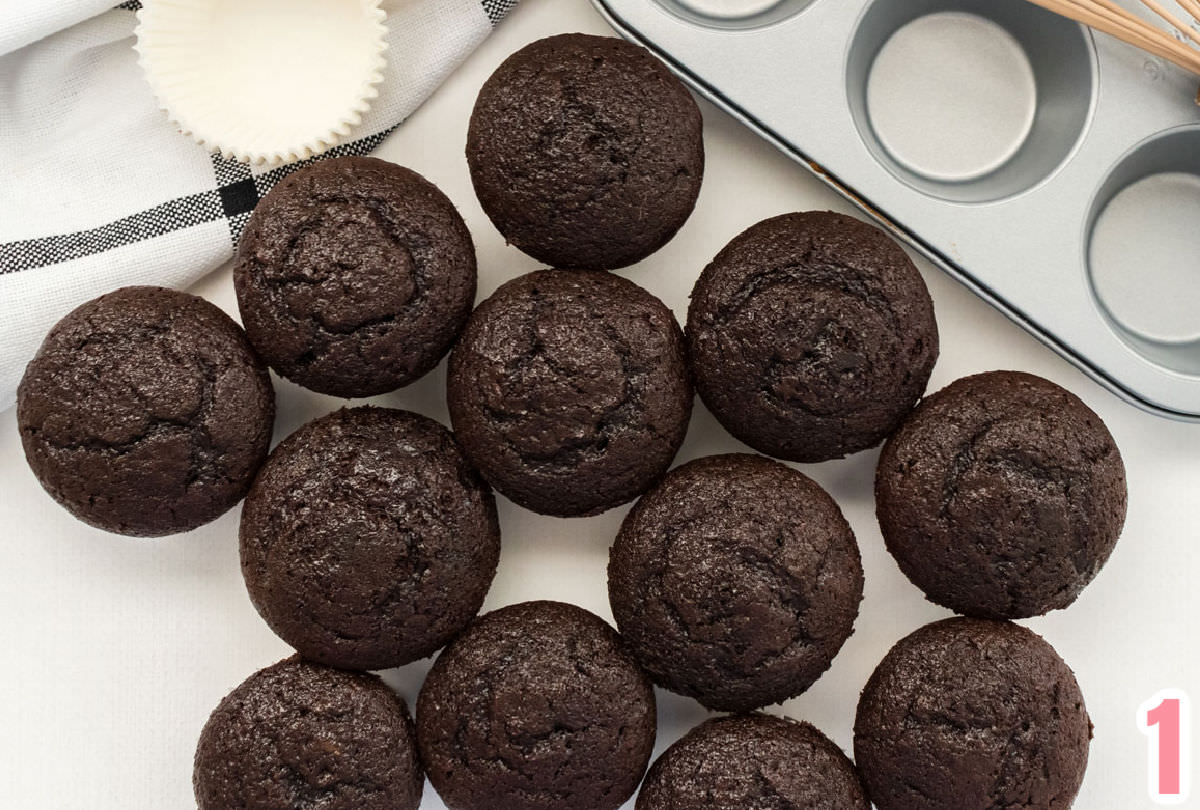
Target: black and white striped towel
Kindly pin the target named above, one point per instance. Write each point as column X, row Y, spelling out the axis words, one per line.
column 97, row 188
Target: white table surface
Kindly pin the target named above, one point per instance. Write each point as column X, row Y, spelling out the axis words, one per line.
column 115, row 650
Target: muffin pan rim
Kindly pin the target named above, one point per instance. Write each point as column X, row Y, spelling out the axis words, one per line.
column 1067, row 147
column 1125, row 172
column 780, row 11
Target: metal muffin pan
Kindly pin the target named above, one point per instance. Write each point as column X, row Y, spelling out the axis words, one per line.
column 1102, row 117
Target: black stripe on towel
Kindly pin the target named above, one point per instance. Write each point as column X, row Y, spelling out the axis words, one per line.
column 173, row 215
column 497, row 9
column 236, row 194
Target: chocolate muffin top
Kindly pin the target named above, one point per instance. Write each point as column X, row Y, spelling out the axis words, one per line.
column 735, row 581
column 811, row 336
column 1002, row 496
column 585, row 151
column 367, row 541
column 354, row 276
column 298, row 735
column 972, row 714
column 752, row 761
column 569, row 391
column 536, row 706
column 145, row 412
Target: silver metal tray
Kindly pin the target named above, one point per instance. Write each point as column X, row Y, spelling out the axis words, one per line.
column 1020, row 230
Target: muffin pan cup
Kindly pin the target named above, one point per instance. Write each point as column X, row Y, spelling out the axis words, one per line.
column 1019, row 233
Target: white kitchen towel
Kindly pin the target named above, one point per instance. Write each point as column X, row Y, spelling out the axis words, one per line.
column 98, row 190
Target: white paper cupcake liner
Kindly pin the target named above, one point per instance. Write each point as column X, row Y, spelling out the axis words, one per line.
column 264, row 81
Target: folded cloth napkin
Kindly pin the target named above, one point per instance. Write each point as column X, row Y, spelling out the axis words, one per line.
column 98, row 190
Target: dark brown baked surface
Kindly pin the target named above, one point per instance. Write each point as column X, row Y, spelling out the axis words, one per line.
column 972, row 714
column 298, row 735
column 536, row 706
column 735, row 581
column 1002, row 496
column 747, row 762
column 570, row 391
column 367, row 541
column 811, row 336
column 585, row 151
column 146, row 412
column 354, row 276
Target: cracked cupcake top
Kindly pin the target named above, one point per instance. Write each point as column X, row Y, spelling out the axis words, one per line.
column 367, row 541
column 752, row 761
column 811, row 336
column 585, row 151
column 1001, row 496
column 145, row 412
column 972, row 713
column 298, row 735
column 569, row 390
column 354, row 276
column 536, row 706
column 735, row 581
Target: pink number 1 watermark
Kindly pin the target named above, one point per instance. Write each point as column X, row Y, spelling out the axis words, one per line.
column 1166, row 720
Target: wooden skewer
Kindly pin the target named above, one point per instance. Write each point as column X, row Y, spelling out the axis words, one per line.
column 1109, row 18
column 1191, row 7
column 1141, row 29
column 1179, row 25
column 1123, row 16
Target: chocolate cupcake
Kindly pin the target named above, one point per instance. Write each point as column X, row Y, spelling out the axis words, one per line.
column 972, row 714
column 569, row 391
column 297, row 735
column 354, row 276
column 146, row 412
column 811, row 336
column 367, row 541
column 586, row 152
column 536, row 706
column 735, row 581
column 752, row 761
column 1002, row 496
